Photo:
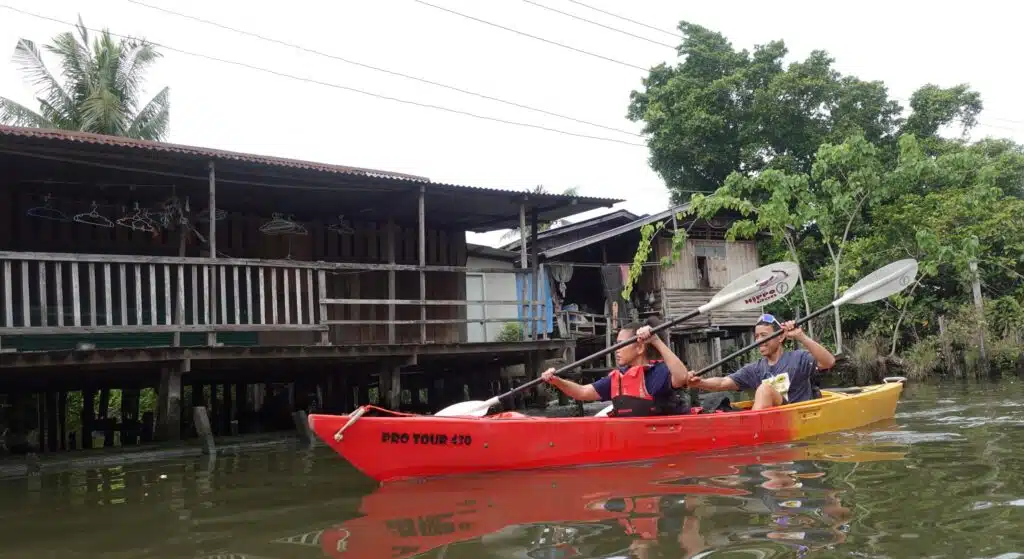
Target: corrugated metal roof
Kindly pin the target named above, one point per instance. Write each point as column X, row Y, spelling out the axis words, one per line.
column 69, row 136
column 209, row 153
column 557, row 231
column 569, row 247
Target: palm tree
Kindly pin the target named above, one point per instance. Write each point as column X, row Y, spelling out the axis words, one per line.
column 102, row 84
column 514, row 233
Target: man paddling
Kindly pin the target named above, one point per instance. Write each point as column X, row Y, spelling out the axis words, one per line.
column 638, row 387
column 779, row 377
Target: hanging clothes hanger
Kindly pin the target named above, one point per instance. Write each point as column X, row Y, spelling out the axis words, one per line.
column 48, row 212
column 94, row 218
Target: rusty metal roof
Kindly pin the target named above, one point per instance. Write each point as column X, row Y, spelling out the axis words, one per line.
column 471, row 207
column 118, row 141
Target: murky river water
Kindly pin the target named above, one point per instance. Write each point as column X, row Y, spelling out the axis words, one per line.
column 944, row 479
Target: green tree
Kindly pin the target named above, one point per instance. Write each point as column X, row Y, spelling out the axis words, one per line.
column 103, row 82
column 722, row 111
column 818, row 159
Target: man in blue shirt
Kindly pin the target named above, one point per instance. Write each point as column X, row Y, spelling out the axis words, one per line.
column 779, row 377
column 638, row 387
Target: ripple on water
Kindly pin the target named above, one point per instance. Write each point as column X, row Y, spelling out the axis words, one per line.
column 914, row 437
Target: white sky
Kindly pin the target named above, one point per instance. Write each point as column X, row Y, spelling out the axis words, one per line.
column 903, row 43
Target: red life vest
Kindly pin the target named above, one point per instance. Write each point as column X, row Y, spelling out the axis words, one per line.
column 629, row 393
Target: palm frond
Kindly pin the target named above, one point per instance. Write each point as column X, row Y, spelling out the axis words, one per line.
column 16, row 114
column 27, row 55
column 152, row 121
column 135, row 59
column 76, row 64
column 60, row 119
column 102, row 113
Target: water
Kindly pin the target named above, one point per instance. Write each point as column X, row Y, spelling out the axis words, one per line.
column 944, row 479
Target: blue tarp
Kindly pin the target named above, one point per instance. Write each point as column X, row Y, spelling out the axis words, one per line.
column 543, row 294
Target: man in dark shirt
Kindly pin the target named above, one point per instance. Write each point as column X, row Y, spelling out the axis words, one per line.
column 779, row 377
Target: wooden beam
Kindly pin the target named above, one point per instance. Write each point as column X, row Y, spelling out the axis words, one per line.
column 523, row 308
column 288, row 264
column 423, row 262
column 391, row 280
column 535, row 252
column 429, row 302
column 162, row 328
column 211, row 338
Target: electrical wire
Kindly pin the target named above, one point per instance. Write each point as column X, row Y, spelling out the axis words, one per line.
column 674, row 34
column 542, row 39
column 677, row 35
column 334, row 85
column 610, row 28
column 377, row 68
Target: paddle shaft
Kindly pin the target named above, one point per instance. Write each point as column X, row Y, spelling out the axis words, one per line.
column 741, row 351
column 602, row 353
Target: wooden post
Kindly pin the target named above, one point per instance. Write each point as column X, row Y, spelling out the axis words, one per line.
column 535, row 254
column 211, row 337
column 302, row 427
column 524, row 311
column 979, row 305
column 179, row 307
column 716, row 353
column 391, row 280
column 202, row 421
column 423, row 262
column 88, row 416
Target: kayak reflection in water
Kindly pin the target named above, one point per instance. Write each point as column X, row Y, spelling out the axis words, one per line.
column 779, row 377
column 639, row 386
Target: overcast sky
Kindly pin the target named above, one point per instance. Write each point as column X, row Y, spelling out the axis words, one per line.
column 218, row 105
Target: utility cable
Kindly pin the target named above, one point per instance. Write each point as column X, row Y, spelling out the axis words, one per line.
column 333, row 85
column 592, row 22
column 549, row 41
column 377, row 68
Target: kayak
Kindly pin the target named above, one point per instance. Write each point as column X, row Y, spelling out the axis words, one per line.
column 392, row 445
column 401, row 520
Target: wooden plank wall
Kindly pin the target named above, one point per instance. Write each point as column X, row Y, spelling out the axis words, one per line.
column 682, row 292
column 239, row 236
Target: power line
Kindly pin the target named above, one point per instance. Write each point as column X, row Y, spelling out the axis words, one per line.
column 378, row 69
column 616, row 29
column 677, row 35
column 334, row 85
column 674, row 34
column 549, row 41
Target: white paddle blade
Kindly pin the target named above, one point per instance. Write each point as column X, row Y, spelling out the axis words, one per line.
column 881, row 283
column 756, row 289
column 472, row 408
column 604, row 412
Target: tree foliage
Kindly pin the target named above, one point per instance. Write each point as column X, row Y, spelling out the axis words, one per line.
column 101, row 91
column 843, row 178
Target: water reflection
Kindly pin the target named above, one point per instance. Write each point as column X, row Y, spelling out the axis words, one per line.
column 678, row 507
column 944, row 479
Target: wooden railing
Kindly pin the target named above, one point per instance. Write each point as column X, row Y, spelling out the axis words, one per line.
column 60, row 293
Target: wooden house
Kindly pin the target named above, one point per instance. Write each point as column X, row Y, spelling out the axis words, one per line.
column 130, row 264
column 588, row 273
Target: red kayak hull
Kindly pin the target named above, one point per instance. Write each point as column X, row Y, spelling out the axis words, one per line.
column 394, row 446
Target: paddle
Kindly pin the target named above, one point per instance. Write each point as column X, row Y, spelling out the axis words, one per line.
column 877, row 285
column 753, row 289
